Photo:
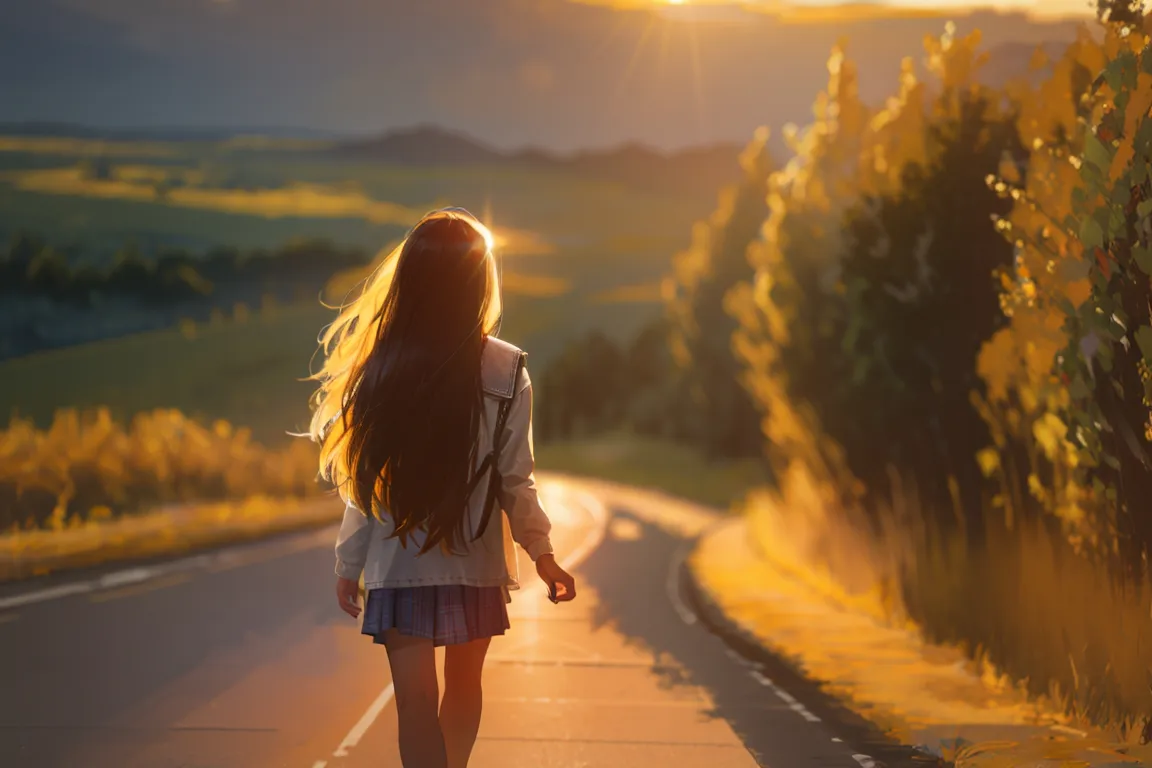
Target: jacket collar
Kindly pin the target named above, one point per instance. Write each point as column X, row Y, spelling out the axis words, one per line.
column 498, row 367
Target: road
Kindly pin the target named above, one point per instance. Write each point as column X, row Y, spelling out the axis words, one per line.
column 241, row 658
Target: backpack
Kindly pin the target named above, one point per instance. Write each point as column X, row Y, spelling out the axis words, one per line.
column 491, row 462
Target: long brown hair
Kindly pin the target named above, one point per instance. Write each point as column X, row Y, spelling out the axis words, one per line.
column 399, row 403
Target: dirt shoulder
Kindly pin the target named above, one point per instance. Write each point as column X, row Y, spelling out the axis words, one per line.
column 918, row 693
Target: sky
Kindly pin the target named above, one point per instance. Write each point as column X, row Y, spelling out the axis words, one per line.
column 556, row 74
column 829, row 9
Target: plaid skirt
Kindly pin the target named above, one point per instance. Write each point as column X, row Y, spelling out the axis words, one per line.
column 447, row 614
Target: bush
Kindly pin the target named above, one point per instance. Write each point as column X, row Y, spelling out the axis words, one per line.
column 907, row 334
column 87, row 463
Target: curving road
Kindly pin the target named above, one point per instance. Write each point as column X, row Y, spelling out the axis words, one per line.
column 241, row 658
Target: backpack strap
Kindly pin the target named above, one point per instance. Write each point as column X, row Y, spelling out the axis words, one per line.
column 491, row 463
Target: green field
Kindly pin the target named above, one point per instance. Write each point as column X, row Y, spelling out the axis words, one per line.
column 248, row 372
column 599, row 249
column 644, row 463
column 575, row 214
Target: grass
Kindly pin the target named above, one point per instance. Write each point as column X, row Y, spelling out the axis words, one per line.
column 577, row 255
column 296, row 200
column 1021, row 602
column 646, row 463
column 244, row 372
column 162, row 533
column 252, row 199
column 89, row 466
column 249, row 371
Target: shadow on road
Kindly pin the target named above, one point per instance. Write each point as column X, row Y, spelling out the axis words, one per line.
column 631, row 577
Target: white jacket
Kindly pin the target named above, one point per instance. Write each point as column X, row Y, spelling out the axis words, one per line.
column 363, row 547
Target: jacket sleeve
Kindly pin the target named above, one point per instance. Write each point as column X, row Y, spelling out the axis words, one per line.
column 352, row 543
column 527, row 519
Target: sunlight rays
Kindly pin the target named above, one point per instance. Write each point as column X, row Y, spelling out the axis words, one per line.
column 698, row 81
column 669, row 47
column 626, row 75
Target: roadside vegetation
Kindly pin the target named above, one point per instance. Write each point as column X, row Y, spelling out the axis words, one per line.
column 947, row 336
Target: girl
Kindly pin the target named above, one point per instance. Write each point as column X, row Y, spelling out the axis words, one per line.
column 424, row 421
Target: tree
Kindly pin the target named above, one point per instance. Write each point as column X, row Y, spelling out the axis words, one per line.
column 1120, row 11
column 727, row 422
column 582, row 390
column 922, row 300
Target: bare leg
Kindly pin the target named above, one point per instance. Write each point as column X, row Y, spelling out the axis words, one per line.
column 463, row 699
column 413, row 663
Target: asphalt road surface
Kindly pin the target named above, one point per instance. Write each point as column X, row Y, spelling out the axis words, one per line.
column 242, row 658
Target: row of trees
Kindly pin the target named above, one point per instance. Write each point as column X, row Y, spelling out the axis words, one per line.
column 678, row 378
column 948, row 334
column 29, row 266
column 935, row 322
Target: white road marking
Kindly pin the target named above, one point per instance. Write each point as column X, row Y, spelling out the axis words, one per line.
column 784, row 696
column 40, row 595
column 865, row 761
column 736, row 657
column 236, row 555
column 672, row 586
column 365, row 722
column 130, row 576
column 320, row 764
column 600, row 517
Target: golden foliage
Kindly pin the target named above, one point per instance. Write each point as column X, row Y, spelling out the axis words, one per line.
column 850, row 151
column 1067, row 222
column 297, row 199
column 1077, row 199
column 86, row 465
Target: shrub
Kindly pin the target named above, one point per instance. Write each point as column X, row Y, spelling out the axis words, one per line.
column 87, row 461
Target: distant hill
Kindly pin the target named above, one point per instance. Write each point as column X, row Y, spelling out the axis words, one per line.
column 633, row 164
column 59, row 130
column 421, row 145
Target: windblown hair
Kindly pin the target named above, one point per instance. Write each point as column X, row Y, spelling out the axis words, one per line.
column 398, row 408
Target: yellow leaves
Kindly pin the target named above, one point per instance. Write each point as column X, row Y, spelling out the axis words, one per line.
column 1050, row 432
column 1139, row 105
column 1069, row 509
column 1009, row 171
column 88, row 462
column 998, row 364
column 1036, row 488
column 1078, row 291
column 989, row 461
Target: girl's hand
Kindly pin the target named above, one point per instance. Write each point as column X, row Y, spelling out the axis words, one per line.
column 555, row 576
column 348, row 595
